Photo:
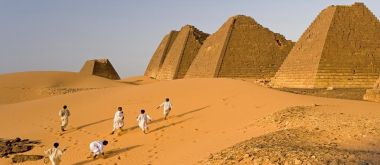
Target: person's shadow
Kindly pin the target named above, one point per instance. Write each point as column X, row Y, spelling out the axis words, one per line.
column 162, row 119
column 109, row 154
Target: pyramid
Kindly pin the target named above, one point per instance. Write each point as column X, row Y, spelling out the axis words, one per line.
column 373, row 94
column 182, row 53
column 100, row 67
column 340, row 49
column 240, row 48
column 159, row 55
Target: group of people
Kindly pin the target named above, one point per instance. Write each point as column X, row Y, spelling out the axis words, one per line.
column 97, row 147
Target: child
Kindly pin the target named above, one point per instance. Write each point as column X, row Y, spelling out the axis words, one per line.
column 143, row 121
column 54, row 154
column 118, row 120
column 167, row 107
column 97, row 148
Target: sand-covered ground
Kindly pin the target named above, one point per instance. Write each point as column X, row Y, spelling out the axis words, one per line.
column 209, row 117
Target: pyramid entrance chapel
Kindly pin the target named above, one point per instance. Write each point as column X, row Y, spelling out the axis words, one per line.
column 240, row 48
column 100, row 67
column 340, row 49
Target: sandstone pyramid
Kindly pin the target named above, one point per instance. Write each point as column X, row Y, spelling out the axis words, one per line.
column 100, row 67
column 240, row 48
column 159, row 55
column 182, row 53
column 373, row 94
column 340, row 49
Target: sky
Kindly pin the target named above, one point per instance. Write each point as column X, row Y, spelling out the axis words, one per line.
column 60, row 35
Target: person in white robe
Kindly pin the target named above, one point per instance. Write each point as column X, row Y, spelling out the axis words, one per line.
column 64, row 114
column 142, row 120
column 54, row 154
column 97, row 148
column 118, row 120
column 167, row 107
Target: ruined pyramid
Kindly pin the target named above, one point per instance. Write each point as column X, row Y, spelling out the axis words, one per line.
column 240, row 48
column 340, row 49
column 100, row 67
column 182, row 53
column 159, row 55
column 373, row 94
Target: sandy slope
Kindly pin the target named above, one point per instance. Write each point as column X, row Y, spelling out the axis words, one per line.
column 208, row 116
column 22, row 86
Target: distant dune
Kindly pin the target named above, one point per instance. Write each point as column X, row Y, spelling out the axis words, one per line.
column 22, row 86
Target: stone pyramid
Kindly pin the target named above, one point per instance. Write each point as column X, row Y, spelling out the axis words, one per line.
column 240, row 48
column 340, row 49
column 373, row 94
column 182, row 53
column 100, row 67
column 159, row 55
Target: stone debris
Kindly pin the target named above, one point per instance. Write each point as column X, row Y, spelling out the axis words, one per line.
column 304, row 137
column 14, row 146
column 24, row 158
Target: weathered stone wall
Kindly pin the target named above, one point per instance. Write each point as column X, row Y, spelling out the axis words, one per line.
column 373, row 94
column 207, row 59
column 340, row 50
column 88, row 67
column 240, row 48
column 193, row 44
column 159, row 55
column 182, row 53
column 100, row 67
column 252, row 51
column 300, row 67
column 351, row 56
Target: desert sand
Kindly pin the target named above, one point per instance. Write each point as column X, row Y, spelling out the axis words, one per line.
column 24, row 86
column 208, row 115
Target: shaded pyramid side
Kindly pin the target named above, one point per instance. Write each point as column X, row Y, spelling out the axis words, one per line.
column 299, row 69
column 252, row 51
column 159, row 55
column 374, row 93
column 348, row 55
column 207, row 60
column 182, row 53
column 100, row 67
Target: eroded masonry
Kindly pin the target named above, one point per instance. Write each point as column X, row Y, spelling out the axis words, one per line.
column 240, row 48
column 100, row 67
column 340, row 49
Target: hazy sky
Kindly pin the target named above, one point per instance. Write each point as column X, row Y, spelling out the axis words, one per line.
column 62, row 34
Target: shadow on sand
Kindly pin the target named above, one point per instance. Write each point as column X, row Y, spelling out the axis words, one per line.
column 109, row 154
column 85, row 125
column 169, row 125
column 162, row 119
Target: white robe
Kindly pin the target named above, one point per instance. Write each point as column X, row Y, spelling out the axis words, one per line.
column 118, row 120
column 143, row 121
column 167, row 107
column 96, row 147
column 64, row 114
column 55, row 155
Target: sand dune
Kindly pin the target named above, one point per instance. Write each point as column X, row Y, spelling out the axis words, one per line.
column 17, row 87
column 208, row 115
